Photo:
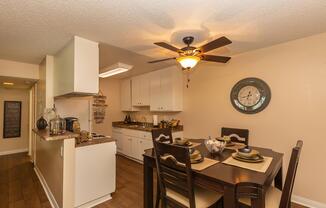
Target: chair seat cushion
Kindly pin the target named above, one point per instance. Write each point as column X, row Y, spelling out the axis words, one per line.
column 203, row 198
column 272, row 198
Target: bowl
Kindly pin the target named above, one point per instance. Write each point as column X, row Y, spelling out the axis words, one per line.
column 181, row 141
column 215, row 146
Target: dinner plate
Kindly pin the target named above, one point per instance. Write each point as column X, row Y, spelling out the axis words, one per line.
column 257, row 159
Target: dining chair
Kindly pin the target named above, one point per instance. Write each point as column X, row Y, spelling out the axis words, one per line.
column 175, row 179
column 162, row 135
column 236, row 135
column 274, row 198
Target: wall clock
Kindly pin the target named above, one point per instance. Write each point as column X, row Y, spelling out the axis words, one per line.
column 250, row 95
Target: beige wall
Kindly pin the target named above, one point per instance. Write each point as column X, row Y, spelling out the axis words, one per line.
column 45, row 85
column 111, row 89
column 295, row 72
column 21, row 143
column 18, row 69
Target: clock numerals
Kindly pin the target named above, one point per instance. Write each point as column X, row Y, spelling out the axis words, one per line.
column 250, row 95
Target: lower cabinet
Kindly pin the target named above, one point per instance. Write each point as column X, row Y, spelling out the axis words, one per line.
column 133, row 143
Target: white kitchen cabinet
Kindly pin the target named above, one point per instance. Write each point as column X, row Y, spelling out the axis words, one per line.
column 166, row 89
column 135, row 142
column 140, row 90
column 143, row 144
column 117, row 135
column 127, row 145
column 126, row 95
column 76, row 68
column 95, row 177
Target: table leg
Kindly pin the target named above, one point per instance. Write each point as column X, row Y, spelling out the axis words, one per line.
column 148, row 183
column 278, row 180
column 229, row 197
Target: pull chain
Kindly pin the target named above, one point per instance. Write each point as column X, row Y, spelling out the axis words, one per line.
column 188, row 79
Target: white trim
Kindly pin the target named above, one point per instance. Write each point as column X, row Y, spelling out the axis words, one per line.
column 13, row 151
column 307, row 202
column 46, row 188
column 96, row 201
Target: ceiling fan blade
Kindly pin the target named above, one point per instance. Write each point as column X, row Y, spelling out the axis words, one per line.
column 220, row 59
column 167, row 46
column 220, row 42
column 155, row 61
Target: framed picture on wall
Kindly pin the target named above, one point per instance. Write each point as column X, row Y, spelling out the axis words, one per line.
column 12, row 119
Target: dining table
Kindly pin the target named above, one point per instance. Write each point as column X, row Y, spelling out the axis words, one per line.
column 221, row 177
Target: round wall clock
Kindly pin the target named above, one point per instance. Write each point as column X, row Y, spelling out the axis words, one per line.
column 250, row 95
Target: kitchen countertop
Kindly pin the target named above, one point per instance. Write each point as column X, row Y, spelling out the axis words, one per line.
column 95, row 141
column 45, row 134
column 139, row 127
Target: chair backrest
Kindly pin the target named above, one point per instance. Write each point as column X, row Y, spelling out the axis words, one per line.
column 254, row 191
column 174, row 173
column 236, row 135
column 290, row 176
column 163, row 135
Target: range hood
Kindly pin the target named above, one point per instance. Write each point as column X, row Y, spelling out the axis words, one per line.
column 76, row 69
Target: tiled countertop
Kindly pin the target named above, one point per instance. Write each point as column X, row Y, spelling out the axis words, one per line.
column 139, row 127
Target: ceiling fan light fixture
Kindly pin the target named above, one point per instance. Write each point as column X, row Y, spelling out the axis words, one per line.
column 188, row 62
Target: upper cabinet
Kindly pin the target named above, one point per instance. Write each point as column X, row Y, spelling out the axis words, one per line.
column 76, row 68
column 126, row 95
column 166, row 89
column 141, row 90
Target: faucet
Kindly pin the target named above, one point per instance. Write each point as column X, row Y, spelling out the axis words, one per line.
column 144, row 121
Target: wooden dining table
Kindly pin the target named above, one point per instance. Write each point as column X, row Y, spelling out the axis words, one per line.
column 221, row 177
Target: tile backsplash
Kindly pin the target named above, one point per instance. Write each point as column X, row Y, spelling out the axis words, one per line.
column 147, row 116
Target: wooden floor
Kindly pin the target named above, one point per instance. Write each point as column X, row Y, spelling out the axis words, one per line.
column 20, row 187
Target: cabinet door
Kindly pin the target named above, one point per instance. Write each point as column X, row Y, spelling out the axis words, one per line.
column 127, row 145
column 118, row 137
column 144, row 89
column 126, row 95
column 135, row 91
column 143, row 145
column 166, row 91
column 155, row 91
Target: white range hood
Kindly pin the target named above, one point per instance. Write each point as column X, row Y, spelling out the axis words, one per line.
column 76, row 68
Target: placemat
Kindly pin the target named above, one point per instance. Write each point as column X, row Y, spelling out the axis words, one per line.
column 259, row 167
column 205, row 164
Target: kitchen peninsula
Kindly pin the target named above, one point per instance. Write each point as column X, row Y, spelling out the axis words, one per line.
column 70, row 173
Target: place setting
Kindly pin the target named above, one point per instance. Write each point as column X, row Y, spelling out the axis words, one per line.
column 249, row 158
column 198, row 161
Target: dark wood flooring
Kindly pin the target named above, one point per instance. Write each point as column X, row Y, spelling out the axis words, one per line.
column 20, row 187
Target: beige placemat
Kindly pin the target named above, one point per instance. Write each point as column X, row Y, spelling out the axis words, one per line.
column 205, row 164
column 260, row 167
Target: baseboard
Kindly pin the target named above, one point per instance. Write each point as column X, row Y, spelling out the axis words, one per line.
column 307, row 202
column 13, row 151
column 46, row 188
column 96, row 202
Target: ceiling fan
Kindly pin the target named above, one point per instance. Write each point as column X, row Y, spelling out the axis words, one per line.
column 189, row 56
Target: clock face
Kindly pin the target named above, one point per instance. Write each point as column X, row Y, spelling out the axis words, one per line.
column 250, row 95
